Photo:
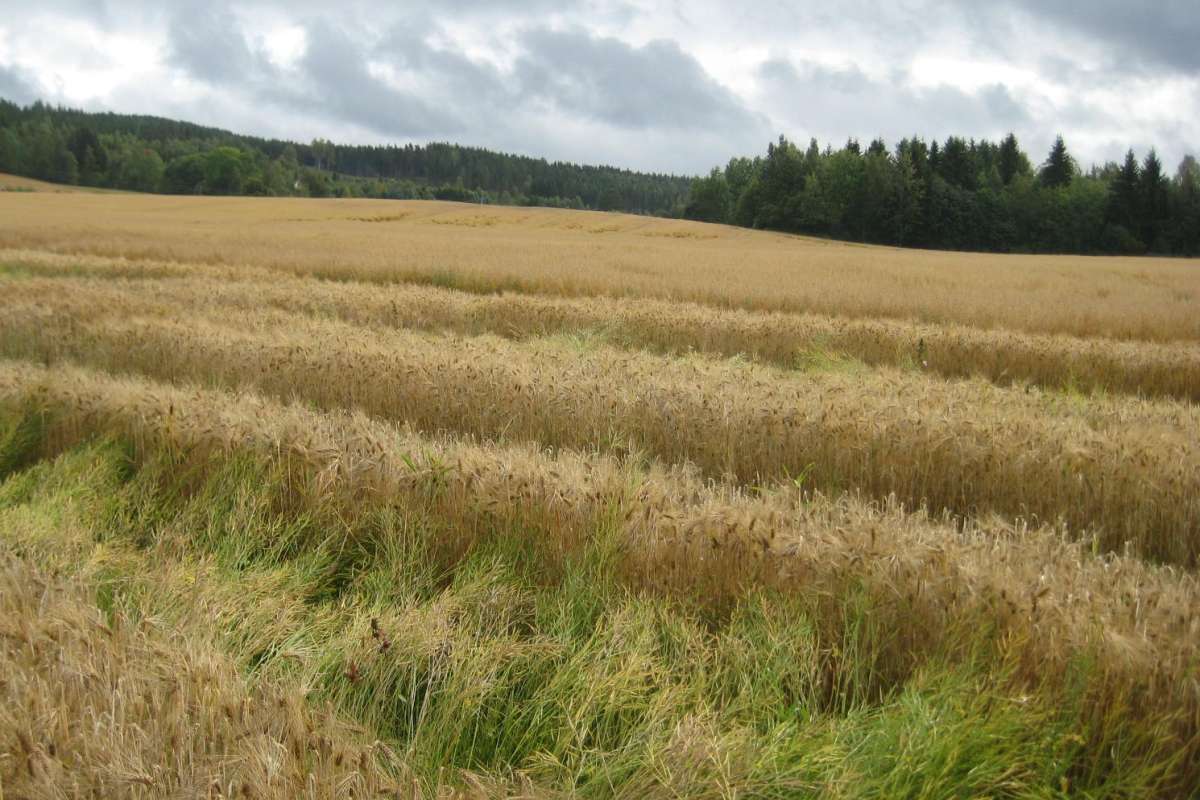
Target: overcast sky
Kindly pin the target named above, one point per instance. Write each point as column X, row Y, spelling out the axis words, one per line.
column 673, row 87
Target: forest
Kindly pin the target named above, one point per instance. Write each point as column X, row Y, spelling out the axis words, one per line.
column 960, row 195
column 153, row 154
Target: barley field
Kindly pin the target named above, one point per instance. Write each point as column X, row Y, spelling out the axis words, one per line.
column 316, row 498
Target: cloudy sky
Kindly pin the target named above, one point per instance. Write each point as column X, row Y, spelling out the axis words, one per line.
column 670, row 86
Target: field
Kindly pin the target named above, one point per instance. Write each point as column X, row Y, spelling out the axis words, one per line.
column 304, row 498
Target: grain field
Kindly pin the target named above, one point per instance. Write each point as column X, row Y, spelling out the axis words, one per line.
column 427, row 500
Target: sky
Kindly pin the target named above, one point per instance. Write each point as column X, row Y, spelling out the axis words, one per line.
column 665, row 87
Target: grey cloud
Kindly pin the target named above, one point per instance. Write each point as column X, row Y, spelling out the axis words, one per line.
column 832, row 104
column 16, row 85
column 1152, row 32
column 1064, row 70
column 208, row 44
column 451, row 76
column 564, row 87
column 1002, row 107
column 332, row 79
column 118, row 15
column 342, row 85
column 445, row 93
column 608, row 80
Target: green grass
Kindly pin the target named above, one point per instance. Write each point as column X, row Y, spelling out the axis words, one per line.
column 498, row 660
column 20, row 441
column 821, row 358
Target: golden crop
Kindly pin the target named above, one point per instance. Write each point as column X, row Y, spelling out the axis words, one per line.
column 103, row 703
column 569, row 253
column 677, row 531
column 635, row 506
column 1122, row 470
column 787, row 340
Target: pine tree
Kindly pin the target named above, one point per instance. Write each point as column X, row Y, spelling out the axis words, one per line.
column 1059, row 168
column 90, row 155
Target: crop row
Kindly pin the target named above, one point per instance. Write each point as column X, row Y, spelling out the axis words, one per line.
column 1048, row 597
column 499, row 660
column 788, row 340
column 1124, row 472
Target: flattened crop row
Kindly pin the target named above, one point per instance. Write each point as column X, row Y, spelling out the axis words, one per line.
column 92, row 707
column 1048, row 597
column 1119, row 470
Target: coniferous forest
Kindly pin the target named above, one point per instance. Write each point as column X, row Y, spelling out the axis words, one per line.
column 152, row 154
column 959, row 195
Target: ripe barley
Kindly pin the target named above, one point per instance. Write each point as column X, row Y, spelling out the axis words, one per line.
column 813, row 544
column 539, row 253
column 808, row 340
column 1124, row 469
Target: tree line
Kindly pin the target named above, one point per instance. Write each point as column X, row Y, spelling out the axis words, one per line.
column 153, row 154
column 959, row 195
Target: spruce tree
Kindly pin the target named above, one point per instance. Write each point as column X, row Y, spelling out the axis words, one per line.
column 709, row 198
column 1059, row 168
column 957, row 165
column 1153, row 191
column 1123, row 195
column 1010, row 162
column 1185, row 212
column 812, row 157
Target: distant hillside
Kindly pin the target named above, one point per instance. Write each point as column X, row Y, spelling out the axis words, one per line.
column 154, row 154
